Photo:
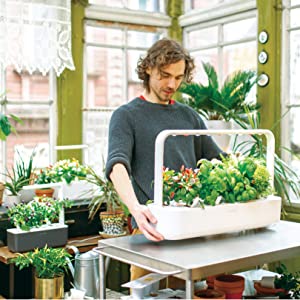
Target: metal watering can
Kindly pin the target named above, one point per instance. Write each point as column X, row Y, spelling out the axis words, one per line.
column 86, row 272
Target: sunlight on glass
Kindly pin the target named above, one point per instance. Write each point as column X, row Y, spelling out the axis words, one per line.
column 141, row 39
column 207, row 3
column 295, row 17
column 106, row 36
column 295, row 68
column 104, row 77
column 295, row 2
column 240, row 30
column 202, row 37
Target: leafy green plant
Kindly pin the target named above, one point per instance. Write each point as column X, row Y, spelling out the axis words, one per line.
column 6, row 128
column 20, row 175
column 221, row 103
column 48, row 262
column 234, row 179
column 289, row 282
column 39, row 211
column 106, row 193
column 65, row 170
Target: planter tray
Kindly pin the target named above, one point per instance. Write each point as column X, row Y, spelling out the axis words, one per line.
column 176, row 223
column 53, row 235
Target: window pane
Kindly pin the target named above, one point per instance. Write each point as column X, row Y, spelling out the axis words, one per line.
column 239, row 57
column 141, row 39
column 105, row 74
column 106, row 36
column 144, row 5
column 295, row 67
column 207, row 3
column 210, row 56
column 240, row 30
column 295, row 2
column 33, row 133
column 25, row 86
column 295, row 17
column 203, row 37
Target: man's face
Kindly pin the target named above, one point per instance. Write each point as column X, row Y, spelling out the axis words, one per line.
column 164, row 83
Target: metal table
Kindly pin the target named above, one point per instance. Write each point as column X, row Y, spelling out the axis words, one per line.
column 194, row 259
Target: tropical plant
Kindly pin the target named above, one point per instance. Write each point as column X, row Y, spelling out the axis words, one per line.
column 6, row 128
column 20, row 175
column 221, row 103
column 106, row 193
column 37, row 212
column 48, row 262
column 65, row 170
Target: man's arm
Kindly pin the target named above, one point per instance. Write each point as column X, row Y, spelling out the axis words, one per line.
column 141, row 213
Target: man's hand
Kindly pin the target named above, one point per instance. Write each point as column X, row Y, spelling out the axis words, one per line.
column 144, row 220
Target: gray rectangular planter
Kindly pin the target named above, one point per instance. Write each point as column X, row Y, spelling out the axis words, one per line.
column 53, row 235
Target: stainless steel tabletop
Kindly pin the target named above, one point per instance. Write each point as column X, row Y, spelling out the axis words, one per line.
column 210, row 254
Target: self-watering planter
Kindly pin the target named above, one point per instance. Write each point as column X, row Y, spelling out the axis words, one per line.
column 176, row 223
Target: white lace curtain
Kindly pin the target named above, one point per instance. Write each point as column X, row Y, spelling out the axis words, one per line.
column 35, row 35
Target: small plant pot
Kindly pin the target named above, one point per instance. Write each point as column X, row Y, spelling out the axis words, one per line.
column 49, row 288
column 44, row 192
column 209, row 294
column 232, row 285
column 265, row 291
column 2, row 188
column 112, row 222
column 210, row 280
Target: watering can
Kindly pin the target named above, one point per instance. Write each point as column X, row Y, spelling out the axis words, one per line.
column 86, row 272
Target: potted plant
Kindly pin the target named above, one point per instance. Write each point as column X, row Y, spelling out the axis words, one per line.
column 286, row 285
column 37, row 224
column 113, row 218
column 71, row 173
column 49, row 265
column 5, row 125
column 220, row 104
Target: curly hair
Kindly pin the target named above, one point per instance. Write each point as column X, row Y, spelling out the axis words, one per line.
column 162, row 53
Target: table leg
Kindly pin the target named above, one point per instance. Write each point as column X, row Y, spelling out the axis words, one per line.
column 102, row 280
column 189, row 285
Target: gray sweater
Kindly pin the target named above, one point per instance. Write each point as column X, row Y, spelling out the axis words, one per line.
column 132, row 132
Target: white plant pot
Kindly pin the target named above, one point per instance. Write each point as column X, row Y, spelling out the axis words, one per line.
column 176, row 223
column 223, row 141
column 11, row 200
column 26, row 195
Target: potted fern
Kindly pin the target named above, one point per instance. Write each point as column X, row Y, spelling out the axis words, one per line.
column 220, row 104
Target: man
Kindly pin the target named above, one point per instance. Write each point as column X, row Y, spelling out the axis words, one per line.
column 135, row 125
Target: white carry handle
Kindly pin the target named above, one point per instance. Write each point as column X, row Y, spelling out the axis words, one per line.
column 159, row 152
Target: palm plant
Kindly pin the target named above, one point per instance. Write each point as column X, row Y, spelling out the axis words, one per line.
column 221, row 103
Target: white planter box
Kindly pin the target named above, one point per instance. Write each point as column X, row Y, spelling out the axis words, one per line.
column 53, row 235
column 176, row 223
column 76, row 190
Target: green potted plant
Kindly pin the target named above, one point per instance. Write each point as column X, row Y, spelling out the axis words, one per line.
column 5, row 125
column 113, row 218
column 49, row 265
column 70, row 173
column 37, row 224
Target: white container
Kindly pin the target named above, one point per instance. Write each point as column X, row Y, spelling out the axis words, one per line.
column 176, row 223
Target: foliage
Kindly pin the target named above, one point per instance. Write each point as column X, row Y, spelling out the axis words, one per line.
column 289, row 282
column 48, row 262
column 20, row 175
column 234, row 179
column 39, row 211
column 64, row 170
column 285, row 177
column 6, row 128
column 106, row 194
column 221, row 103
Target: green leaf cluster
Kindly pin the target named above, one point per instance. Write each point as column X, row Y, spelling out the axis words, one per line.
column 48, row 262
column 37, row 212
column 6, row 128
column 65, row 170
column 221, row 103
column 232, row 179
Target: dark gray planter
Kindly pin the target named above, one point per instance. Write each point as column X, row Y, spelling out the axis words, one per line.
column 53, row 235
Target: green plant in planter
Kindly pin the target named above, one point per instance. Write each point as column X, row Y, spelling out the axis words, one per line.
column 20, row 175
column 39, row 211
column 65, row 170
column 48, row 262
column 6, row 128
column 234, row 179
column 221, row 103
